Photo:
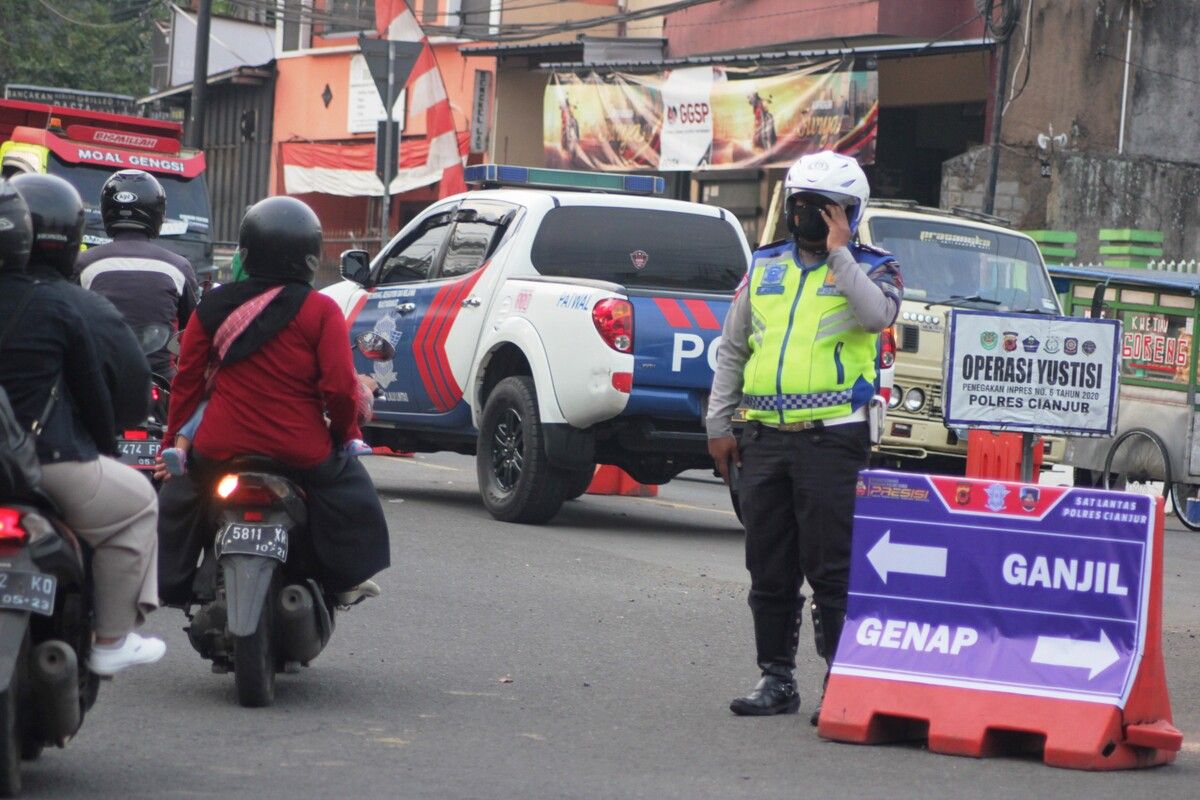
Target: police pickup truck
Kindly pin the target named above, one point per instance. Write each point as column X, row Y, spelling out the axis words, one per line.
column 548, row 321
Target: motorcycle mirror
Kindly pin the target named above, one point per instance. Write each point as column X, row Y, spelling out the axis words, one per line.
column 151, row 338
column 374, row 346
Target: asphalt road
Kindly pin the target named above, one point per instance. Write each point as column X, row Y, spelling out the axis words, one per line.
column 594, row 658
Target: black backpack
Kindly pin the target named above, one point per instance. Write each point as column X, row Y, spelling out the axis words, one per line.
column 20, row 470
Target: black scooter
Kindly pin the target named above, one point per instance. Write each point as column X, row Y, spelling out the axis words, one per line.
column 257, row 609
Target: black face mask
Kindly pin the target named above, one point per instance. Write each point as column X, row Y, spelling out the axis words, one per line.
column 809, row 225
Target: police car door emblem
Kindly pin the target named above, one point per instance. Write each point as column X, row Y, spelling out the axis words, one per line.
column 383, row 371
column 639, row 258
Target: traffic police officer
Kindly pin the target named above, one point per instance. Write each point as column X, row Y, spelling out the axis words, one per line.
column 799, row 351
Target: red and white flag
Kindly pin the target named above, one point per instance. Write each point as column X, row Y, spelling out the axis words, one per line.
column 426, row 92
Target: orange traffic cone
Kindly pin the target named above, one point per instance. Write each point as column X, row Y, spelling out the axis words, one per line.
column 614, row 480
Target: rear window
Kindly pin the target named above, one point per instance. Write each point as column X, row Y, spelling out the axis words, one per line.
column 640, row 248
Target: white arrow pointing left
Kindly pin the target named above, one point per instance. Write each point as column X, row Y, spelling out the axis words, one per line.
column 912, row 559
column 1094, row 656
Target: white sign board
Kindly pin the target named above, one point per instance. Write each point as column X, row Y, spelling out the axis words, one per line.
column 1032, row 372
column 481, row 111
column 363, row 106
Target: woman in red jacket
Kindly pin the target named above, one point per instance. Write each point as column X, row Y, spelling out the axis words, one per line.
column 273, row 359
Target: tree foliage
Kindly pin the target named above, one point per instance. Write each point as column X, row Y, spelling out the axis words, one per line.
column 93, row 45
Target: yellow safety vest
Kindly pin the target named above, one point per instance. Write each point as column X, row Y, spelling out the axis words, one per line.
column 809, row 357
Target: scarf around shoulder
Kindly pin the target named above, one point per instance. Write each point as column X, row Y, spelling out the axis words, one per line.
column 218, row 304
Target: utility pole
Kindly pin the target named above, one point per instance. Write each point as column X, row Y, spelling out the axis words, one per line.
column 389, row 164
column 997, row 107
column 195, row 132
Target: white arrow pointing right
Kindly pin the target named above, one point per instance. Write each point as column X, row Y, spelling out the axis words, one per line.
column 911, row 559
column 1093, row 656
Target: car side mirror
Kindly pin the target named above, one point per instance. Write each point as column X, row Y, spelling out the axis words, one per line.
column 356, row 266
column 375, row 346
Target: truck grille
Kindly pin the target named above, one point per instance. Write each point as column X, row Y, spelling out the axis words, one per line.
column 933, row 403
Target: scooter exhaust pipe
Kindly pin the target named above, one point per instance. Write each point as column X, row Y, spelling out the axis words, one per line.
column 300, row 636
column 54, row 675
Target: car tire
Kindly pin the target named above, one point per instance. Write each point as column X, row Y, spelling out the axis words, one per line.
column 516, row 480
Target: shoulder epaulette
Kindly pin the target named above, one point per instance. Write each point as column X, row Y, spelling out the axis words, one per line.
column 873, row 250
column 767, row 249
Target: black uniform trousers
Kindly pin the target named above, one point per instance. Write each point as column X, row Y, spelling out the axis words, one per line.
column 796, row 491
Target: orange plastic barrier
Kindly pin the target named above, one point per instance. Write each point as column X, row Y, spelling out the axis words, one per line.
column 970, row 722
column 997, row 455
column 614, row 480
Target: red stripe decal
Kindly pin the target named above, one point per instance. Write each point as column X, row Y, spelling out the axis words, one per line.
column 674, row 314
column 455, row 391
column 422, row 350
column 357, row 308
column 702, row 314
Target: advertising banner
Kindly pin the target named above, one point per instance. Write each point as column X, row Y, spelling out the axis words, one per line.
column 708, row 118
column 1032, row 372
column 1033, row 590
column 1156, row 346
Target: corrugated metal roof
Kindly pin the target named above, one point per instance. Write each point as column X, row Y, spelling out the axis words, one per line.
column 785, row 56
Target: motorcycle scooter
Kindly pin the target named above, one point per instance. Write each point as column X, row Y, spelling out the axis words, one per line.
column 46, row 625
column 259, row 610
column 139, row 447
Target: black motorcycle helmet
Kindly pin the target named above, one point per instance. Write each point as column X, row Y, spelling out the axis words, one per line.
column 132, row 200
column 16, row 230
column 280, row 237
column 57, row 213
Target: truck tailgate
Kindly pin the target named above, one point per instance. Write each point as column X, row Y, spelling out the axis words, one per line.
column 676, row 335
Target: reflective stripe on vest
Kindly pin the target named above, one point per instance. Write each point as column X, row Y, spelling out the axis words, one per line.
column 809, row 358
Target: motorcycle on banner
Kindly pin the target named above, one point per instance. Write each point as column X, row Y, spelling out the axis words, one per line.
column 259, row 610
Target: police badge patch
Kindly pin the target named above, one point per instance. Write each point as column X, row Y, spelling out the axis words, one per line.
column 996, row 496
column 639, row 259
column 772, row 281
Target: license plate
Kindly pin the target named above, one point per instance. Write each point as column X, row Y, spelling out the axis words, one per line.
column 27, row 591
column 238, row 538
column 138, row 453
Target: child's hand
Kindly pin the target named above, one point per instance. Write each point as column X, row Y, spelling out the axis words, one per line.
column 160, row 469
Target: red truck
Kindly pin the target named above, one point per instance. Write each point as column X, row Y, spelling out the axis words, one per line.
column 86, row 147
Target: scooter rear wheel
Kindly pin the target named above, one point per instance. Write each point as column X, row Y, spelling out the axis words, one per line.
column 11, row 728
column 254, row 660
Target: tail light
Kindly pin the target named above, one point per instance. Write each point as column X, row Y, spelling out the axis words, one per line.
column 136, row 435
column 887, row 348
column 10, row 526
column 256, row 490
column 613, row 318
column 155, row 394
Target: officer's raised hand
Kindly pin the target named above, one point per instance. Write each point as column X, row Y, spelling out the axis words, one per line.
column 839, row 227
column 724, row 452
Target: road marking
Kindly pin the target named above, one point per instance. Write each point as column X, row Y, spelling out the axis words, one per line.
column 689, row 507
column 1094, row 656
column 422, row 463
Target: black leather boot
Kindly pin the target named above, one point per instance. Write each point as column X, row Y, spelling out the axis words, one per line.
column 776, row 637
column 772, row 695
column 827, row 631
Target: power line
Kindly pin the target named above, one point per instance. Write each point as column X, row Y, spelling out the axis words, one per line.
column 97, row 25
column 1151, row 70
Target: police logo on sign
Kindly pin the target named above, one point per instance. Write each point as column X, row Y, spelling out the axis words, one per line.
column 996, row 496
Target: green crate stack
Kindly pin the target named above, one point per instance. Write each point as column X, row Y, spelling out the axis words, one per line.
column 1129, row 247
column 1058, row 247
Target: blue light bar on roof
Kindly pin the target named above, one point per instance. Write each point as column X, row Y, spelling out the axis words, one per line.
column 539, row 178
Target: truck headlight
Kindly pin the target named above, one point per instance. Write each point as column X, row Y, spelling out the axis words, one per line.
column 914, row 400
column 896, row 396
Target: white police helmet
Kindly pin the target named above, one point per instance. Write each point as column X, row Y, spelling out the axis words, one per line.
column 830, row 175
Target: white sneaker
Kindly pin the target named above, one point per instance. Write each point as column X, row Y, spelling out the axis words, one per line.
column 132, row 651
column 367, row 588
